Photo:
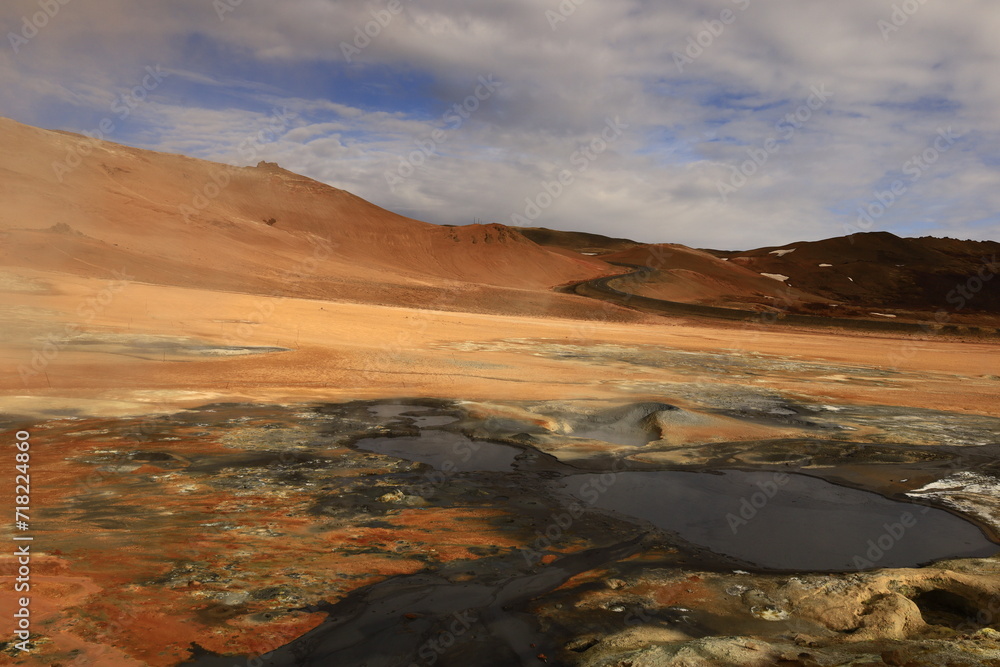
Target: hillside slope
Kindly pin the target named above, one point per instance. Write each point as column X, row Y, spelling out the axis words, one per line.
column 91, row 208
column 882, row 270
column 582, row 242
column 693, row 276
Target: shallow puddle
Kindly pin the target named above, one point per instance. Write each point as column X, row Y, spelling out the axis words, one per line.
column 446, row 451
column 785, row 522
column 392, row 413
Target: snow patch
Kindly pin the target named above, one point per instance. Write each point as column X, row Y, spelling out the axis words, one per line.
column 781, row 253
column 971, row 493
column 963, row 481
column 882, row 315
column 850, row 278
column 775, row 276
column 825, row 266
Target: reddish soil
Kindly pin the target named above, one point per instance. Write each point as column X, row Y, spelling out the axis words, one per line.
column 116, row 303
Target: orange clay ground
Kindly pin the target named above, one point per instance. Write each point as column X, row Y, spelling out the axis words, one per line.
column 114, row 597
column 342, row 351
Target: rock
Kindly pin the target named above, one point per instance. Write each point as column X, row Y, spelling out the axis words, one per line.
column 392, row 497
column 890, row 616
column 769, row 613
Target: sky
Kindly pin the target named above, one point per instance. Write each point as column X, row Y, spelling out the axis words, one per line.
column 728, row 124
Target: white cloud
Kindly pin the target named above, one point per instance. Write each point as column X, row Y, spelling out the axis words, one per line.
column 659, row 182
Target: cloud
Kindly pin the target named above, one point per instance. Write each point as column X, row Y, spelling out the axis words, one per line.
column 703, row 87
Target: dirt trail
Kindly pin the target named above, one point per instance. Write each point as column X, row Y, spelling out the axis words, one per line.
column 604, row 289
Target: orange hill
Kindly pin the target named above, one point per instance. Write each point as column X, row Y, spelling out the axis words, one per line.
column 90, row 208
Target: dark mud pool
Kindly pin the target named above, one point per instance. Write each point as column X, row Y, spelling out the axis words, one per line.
column 785, row 522
column 446, row 451
column 767, row 520
column 428, row 533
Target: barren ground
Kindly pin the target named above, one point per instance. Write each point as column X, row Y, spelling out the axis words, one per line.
column 199, row 478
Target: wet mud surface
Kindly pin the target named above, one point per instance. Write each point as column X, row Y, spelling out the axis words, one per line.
column 423, row 531
column 785, row 522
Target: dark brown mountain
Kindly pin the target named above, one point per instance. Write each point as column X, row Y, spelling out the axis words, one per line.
column 882, row 270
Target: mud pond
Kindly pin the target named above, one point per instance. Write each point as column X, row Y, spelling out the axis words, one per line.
column 436, row 532
column 775, row 521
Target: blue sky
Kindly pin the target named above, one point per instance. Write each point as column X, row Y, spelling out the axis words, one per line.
column 725, row 142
